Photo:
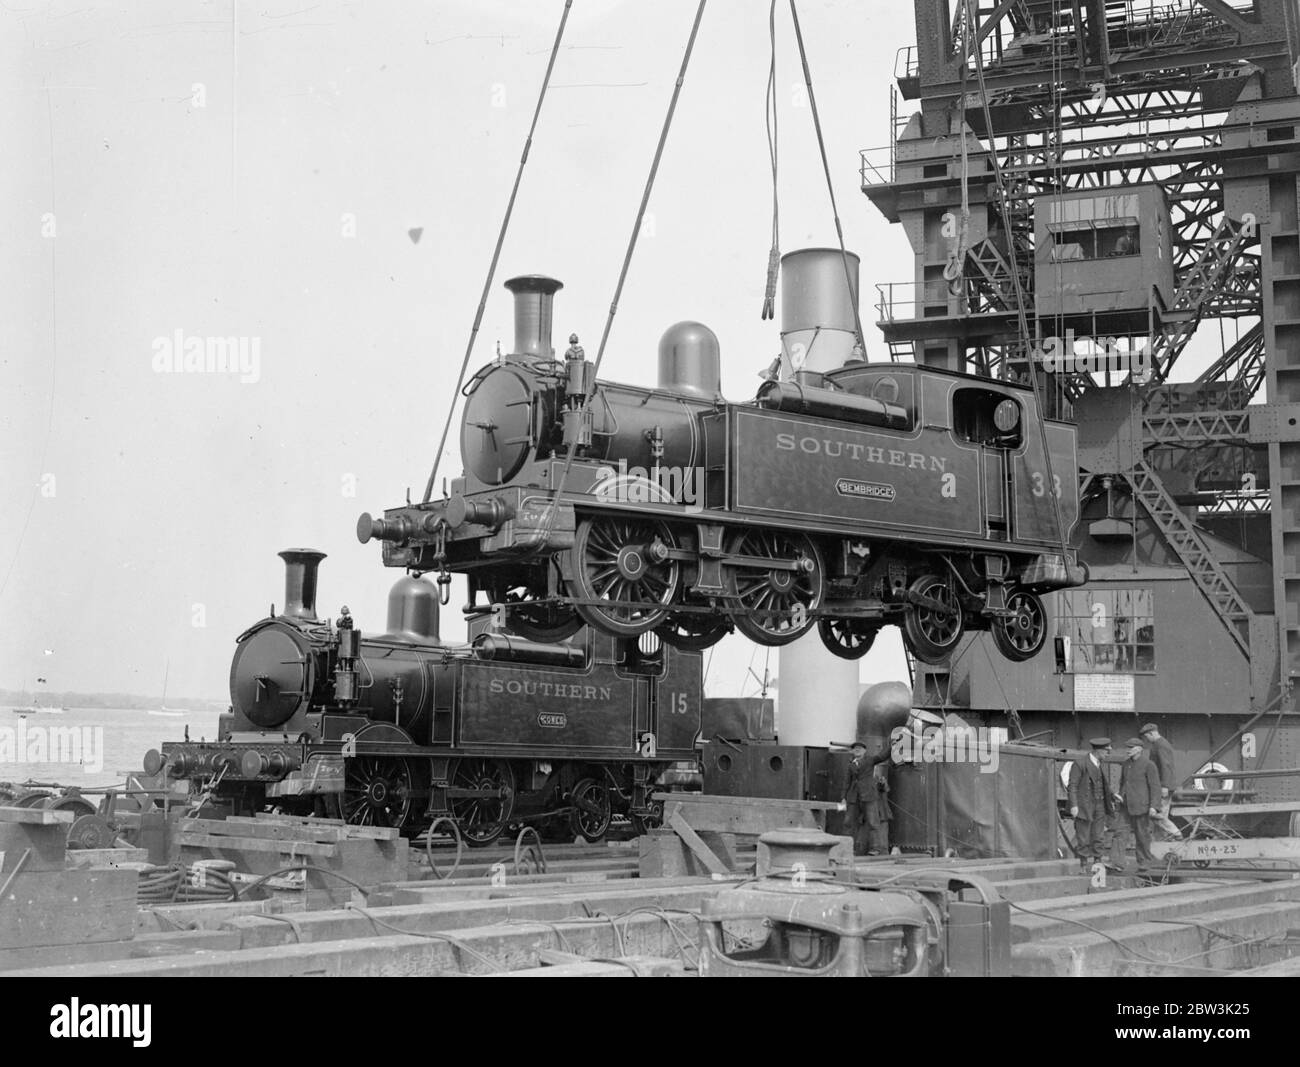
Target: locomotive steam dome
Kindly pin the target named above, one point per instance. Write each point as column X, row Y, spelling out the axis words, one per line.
column 413, row 610
column 689, row 360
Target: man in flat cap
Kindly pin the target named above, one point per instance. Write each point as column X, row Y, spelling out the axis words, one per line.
column 1139, row 795
column 1161, row 753
column 863, row 801
column 1090, row 801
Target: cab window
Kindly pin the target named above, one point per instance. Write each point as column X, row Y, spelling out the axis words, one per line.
column 986, row 417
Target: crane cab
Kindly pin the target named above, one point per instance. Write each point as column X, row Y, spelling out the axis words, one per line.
column 1106, row 254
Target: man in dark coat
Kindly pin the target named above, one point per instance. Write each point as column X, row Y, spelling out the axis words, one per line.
column 863, row 802
column 1161, row 753
column 1139, row 795
column 1090, row 801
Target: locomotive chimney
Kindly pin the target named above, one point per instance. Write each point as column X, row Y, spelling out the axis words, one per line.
column 300, row 567
column 534, row 296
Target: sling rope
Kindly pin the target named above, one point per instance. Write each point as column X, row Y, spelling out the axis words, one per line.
column 496, row 252
column 955, row 270
column 622, row 275
column 769, row 118
column 1020, row 298
column 830, row 187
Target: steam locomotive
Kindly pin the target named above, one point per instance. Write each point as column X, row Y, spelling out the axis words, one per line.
column 867, row 495
column 401, row 729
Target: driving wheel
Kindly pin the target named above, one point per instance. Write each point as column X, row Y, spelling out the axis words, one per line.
column 623, row 563
column 776, row 585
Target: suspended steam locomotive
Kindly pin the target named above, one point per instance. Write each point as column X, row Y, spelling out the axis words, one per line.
column 868, row 495
column 400, row 729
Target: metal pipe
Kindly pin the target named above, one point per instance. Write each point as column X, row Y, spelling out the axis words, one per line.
column 509, row 649
column 830, row 404
column 1280, row 773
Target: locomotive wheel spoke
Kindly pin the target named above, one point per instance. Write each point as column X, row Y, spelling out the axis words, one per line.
column 932, row 634
column 592, row 809
column 481, row 820
column 612, row 560
column 775, row 606
column 848, row 638
column 378, row 792
column 1022, row 636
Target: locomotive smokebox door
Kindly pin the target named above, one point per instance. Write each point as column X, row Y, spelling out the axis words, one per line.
column 496, row 433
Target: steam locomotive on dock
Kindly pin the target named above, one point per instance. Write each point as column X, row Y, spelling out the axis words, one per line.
column 400, row 729
column 609, row 534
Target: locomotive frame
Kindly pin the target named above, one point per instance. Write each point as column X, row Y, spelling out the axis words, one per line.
column 865, row 496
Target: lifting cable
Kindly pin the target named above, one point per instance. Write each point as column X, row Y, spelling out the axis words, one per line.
column 769, row 119
column 496, row 252
column 560, row 483
column 1020, row 299
column 830, row 187
column 955, row 269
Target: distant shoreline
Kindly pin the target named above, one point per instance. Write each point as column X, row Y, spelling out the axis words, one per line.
column 107, row 701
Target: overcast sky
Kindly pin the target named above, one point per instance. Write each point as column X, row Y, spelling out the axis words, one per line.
column 177, row 165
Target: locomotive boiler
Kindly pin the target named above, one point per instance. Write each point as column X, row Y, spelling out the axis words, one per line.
column 869, row 495
column 401, row 729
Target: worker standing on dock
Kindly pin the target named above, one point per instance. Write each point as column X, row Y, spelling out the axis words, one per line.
column 862, row 801
column 1090, row 802
column 1139, row 791
column 1162, row 755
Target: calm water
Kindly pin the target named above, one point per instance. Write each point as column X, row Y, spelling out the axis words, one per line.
column 89, row 746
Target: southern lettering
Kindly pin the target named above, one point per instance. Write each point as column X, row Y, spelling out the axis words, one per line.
column 890, row 457
column 515, row 687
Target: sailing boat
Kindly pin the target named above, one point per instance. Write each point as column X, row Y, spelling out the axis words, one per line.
column 22, row 713
column 163, row 709
column 36, row 707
